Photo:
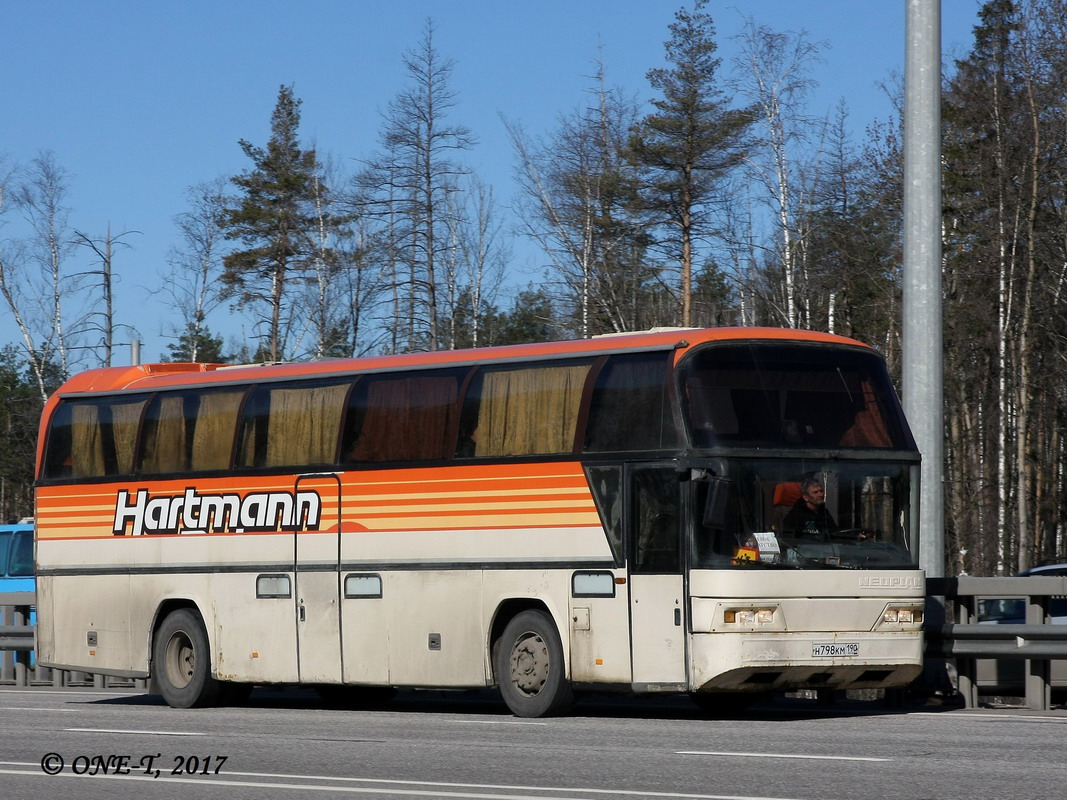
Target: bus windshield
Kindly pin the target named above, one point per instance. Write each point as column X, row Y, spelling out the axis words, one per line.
column 764, row 394
column 790, row 513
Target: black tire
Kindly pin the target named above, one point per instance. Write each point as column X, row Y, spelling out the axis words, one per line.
column 530, row 667
column 181, row 661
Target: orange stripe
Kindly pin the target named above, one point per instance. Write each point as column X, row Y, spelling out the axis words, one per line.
column 478, row 497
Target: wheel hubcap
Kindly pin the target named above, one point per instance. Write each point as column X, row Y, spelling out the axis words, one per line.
column 180, row 660
column 529, row 663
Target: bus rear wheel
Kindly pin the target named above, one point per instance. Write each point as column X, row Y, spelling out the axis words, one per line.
column 529, row 667
column 181, row 661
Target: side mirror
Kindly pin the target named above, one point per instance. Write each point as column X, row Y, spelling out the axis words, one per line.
column 716, row 506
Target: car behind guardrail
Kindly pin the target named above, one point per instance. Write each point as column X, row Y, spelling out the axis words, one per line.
column 1007, row 677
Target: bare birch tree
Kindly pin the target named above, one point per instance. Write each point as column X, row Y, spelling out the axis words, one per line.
column 410, row 183
column 772, row 73
column 194, row 280
column 577, row 202
column 101, row 320
column 33, row 277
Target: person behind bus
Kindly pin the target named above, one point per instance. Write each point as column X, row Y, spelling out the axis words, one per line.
column 809, row 515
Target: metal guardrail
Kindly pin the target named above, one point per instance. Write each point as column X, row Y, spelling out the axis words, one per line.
column 1032, row 641
column 16, row 636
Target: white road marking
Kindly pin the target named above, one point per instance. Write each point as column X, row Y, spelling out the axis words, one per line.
column 138, row 733
column 776, row 755
column 379, row 786
column 986, row 717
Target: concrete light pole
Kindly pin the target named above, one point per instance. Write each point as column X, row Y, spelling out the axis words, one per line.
column 923, row 365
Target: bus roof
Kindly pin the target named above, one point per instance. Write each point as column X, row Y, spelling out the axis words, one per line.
column 146, row 377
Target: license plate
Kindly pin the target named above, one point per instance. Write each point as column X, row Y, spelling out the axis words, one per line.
column 835, row 650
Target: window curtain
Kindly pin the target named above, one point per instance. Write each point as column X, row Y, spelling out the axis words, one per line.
column 165, row 449
column 213, row 431
column 407, row 419
column 87, row 442
column 530, row 411
column 303, row 425
column 125, row 419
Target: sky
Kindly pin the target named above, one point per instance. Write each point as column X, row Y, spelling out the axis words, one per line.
column 138, row 101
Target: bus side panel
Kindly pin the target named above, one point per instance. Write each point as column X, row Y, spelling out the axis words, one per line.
column 599, row 633
column 89, row 630
column 436, row 630
column 366, row 632
column 253, row 638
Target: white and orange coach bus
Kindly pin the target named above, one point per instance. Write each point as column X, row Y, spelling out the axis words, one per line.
column 609, row 513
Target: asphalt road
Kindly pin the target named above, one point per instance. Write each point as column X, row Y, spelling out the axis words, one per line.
column 288, row 745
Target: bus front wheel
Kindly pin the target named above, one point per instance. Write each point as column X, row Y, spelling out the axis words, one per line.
column 530, row 669
column 181, row 661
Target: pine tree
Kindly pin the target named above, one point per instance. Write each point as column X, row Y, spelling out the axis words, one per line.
column 197, row 343
column 277, row 220
column 689, row 143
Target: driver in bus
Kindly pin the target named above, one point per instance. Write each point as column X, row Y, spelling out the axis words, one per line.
column 809, row 515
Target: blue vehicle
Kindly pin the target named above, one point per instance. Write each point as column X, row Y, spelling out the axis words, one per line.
column 16, row 558
column 16, row 566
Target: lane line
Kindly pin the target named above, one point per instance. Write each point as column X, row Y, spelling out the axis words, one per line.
column 136, row 733
column 488, row 791
column 777, row 755
column 986, row 717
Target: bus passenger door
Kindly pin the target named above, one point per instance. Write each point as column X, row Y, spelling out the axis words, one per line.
column 318, row 585
column 657, row 589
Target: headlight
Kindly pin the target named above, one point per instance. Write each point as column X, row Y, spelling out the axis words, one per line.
column 902, row 615
column 749, row 616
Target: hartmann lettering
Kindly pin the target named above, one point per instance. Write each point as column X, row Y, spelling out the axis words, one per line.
column 191, row 512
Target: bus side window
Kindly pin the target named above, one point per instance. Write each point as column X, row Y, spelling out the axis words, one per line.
column 606, row 483
column 303, row 424
column 58, row 458
column 99, row 438
column 292, row 425
column 189, row 431
column 403, row 417
column 164, row 443
column 525, row 411
column 252, row 436
column 214, row 424
column 630, row 407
